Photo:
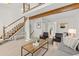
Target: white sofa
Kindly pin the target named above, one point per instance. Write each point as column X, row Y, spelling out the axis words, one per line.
column 67, row 49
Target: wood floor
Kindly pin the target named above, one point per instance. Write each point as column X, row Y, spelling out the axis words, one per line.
column 13, row 48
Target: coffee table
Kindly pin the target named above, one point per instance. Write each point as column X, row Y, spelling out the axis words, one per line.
column 31, row 49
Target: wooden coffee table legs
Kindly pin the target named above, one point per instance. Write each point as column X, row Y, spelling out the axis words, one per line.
column 22, row 52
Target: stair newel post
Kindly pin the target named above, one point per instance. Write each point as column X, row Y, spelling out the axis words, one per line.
column 3, row 32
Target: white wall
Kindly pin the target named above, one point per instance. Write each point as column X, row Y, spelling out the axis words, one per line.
column 9, row 12
column 37, row 31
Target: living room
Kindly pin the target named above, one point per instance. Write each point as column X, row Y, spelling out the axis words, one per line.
column 63, row 23
column 55, row 21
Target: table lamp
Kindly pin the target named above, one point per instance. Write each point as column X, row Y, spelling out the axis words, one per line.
column 72, row 32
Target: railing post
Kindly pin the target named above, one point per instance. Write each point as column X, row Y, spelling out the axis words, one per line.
column 3, row 32
column 24, row 10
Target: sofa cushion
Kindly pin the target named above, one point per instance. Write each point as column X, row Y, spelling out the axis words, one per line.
column 71, row 42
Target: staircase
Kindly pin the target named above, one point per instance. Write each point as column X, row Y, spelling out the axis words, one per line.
column 8, row 35
column 10, row 30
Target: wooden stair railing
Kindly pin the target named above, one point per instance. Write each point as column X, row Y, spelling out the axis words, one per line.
column 15, row 29
column 10, row 33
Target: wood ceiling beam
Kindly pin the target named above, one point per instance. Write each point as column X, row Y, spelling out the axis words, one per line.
column 56, row 11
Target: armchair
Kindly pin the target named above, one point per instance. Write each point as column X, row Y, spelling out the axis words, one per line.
column 44, row 35
column 58, row 37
